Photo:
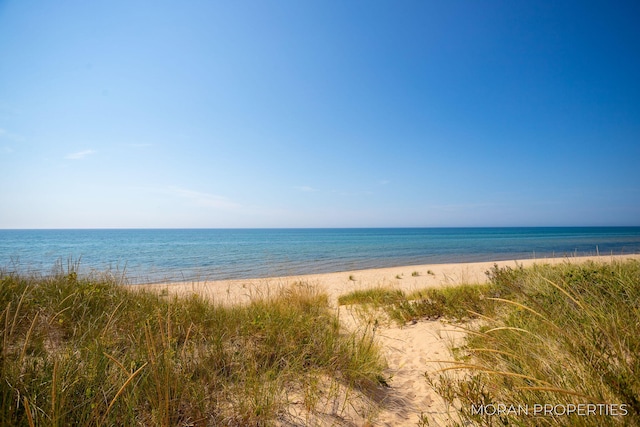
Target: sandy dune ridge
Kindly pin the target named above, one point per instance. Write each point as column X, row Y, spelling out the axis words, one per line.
column 410, row 350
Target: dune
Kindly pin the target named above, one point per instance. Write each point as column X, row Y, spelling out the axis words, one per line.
column 410, row 350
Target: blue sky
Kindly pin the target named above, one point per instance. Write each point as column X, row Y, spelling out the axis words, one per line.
column 319, row 113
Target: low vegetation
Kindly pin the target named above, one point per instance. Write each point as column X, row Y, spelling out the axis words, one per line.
column 378, row 296
column 551, row 345
column 456, row 302
column 87, row 351
column 563, row 348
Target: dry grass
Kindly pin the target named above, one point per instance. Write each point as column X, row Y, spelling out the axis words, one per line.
column 566, row 334
column 561, row 335
column 87, row 351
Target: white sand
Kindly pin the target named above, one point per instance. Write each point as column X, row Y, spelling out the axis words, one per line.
column 410, row 350
column 336, row 284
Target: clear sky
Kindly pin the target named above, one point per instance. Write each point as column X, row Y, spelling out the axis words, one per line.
column 319, row 113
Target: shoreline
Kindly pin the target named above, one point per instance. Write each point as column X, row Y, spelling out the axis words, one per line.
column 407, row 278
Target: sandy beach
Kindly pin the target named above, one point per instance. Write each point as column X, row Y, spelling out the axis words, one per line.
column 410, row 350
column 407, row 278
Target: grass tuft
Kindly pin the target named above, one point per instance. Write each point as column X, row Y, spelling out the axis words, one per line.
column 559, row 335
column 87, row 351
column 456, row 303
column 378, row 296
column 547, row 335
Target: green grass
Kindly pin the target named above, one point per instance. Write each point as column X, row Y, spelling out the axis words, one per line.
column 456, row 303
column 560, row 335
column 87, row 351
column 565, row 335
column 378, row 296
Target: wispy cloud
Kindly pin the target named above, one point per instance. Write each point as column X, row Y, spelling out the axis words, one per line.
column 306, row 188
column 79, row 155
column 468, row 206
column 203, row 199
column 352, row 193
column 5, row 134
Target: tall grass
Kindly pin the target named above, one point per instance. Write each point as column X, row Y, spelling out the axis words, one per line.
column 87, row 351
column 566, row 336
column 555, row 345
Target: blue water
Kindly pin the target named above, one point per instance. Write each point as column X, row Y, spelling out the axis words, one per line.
column 154, row 255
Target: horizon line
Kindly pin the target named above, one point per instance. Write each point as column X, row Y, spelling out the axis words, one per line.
column 316, row 228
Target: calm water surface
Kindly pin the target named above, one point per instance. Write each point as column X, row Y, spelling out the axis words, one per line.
column 153, row 255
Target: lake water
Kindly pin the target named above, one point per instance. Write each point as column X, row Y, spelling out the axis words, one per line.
column 155, row 255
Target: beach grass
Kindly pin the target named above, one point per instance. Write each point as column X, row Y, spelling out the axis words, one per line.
column 561, row 338
column 461, row 302
column 88, row 351
column 562, row 347
column 377, row 296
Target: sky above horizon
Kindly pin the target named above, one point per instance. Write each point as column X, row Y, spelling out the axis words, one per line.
column 319, row 113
